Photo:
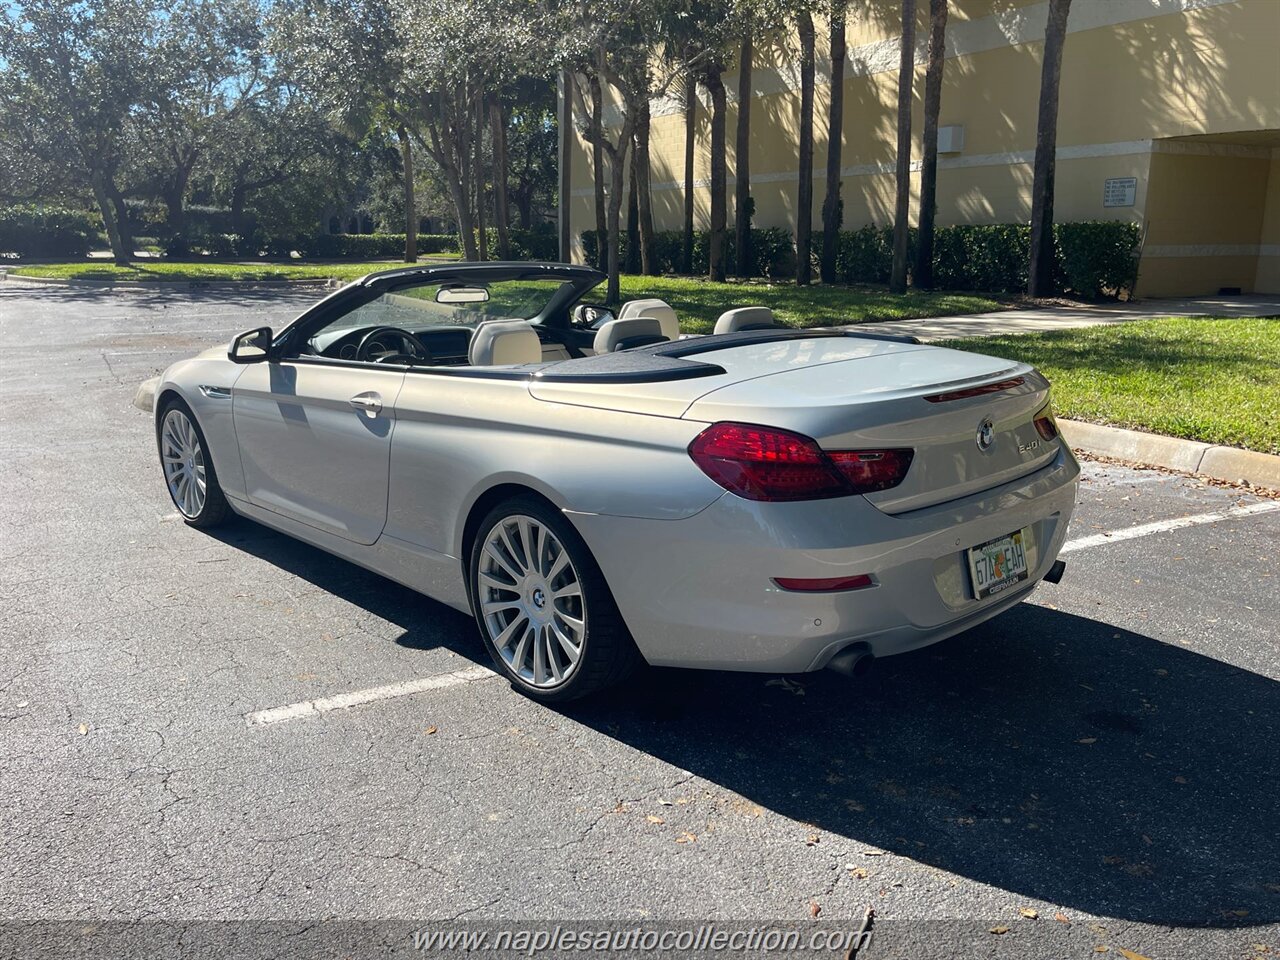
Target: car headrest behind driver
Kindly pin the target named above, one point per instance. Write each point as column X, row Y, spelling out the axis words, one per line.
column 660, row 310
column 628, row 333
column 745, row 318
column 501, row 342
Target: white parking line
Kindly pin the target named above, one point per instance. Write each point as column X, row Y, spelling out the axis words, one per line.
column 344, row 701
column 1162, row 526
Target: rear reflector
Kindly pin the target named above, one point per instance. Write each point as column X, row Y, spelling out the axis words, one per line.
column 765, row 463
column 1046, row 426
column 829, row 585
column 976, row 391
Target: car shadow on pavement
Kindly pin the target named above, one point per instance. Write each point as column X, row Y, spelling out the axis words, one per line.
column 1047, row 754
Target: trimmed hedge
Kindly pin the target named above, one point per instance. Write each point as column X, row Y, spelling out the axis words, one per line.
column 1094, row 258
column 38, row 231
column 773, row 251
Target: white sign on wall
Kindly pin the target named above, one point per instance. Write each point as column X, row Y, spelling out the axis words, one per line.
column 1120, row 192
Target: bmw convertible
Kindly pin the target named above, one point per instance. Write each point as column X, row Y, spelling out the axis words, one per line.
column 600, row 492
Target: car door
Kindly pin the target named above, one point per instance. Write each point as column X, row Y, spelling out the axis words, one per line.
column 315, row 441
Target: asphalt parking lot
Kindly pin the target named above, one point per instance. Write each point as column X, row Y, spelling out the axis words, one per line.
column 1098, row 768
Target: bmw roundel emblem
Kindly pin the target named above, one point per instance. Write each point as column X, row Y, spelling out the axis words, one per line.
column 986, row 435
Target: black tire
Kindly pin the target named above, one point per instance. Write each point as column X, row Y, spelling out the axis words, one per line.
column 607, row 652
column 215, row 510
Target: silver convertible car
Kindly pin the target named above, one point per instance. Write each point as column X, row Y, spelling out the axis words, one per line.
column 599, row 491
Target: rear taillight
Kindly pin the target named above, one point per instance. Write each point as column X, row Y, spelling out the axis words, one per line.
column 765, row 463
column 1046, row 426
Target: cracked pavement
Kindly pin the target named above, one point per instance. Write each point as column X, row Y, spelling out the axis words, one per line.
column 1108, row 753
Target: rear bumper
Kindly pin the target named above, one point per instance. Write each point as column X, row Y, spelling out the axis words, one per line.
column 699, row 592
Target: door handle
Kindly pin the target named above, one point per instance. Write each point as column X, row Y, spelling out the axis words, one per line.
column 369, row 403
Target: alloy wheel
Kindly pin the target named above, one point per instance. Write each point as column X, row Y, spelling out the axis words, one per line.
column 531, row 601
column 184, row 464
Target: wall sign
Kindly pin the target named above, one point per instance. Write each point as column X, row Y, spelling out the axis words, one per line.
column 1120, row 192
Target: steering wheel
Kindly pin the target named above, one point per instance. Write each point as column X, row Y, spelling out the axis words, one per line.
column 412, row 347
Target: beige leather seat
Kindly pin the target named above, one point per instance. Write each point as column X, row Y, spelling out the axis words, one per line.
column 501, row 342
column 660, row 310
column 745, row 318
column 624, row 334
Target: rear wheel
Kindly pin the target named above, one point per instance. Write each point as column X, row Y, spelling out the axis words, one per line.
column 544, row 610
column 188, row 468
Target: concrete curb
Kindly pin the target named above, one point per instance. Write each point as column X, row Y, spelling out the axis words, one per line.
column 1189, row 456
column 177, row 285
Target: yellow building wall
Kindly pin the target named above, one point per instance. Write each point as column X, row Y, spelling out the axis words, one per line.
column 1128, row 78
column 1267, row 279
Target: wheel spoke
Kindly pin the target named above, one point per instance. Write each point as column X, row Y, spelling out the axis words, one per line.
column 497, row 606
column 516, row 556
column 569, row 590
column 571, row 649
column 496, row 555
column 573, row 623
column 503, row 640
column 556, row 673
column 558, row 566
column 489, row 580
column 522, row 648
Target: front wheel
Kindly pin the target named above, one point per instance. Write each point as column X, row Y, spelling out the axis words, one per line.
column 188, row 468
column 544, row 610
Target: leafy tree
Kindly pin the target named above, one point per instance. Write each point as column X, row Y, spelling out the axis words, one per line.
column 906, row 74
column 1040, row 271
column 209, row 66
column 929, row 165
column 73, row 75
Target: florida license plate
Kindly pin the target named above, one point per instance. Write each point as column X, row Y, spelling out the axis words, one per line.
column 998, row 564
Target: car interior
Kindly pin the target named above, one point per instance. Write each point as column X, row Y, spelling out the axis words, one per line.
column 504, row 323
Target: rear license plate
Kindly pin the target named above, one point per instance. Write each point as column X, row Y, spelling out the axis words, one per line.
column 998, row 564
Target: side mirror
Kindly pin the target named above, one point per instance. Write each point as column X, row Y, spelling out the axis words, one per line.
column 251, row 347
column 588, row 316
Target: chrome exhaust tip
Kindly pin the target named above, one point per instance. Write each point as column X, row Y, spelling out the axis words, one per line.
column 852, row 661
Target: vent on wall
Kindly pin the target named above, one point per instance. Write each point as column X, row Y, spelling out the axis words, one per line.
column 951, row 139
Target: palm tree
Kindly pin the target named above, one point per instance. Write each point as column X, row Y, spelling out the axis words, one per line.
column 929, row 166
column 832, row 205
column 1040, row 269
column 719, row 174
column 804, row 189
column 640, row 180
column 742, row 155
column 596, row 135
column 690, row 132
column 906, row 73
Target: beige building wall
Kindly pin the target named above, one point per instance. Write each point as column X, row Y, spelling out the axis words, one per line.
column 1135, row 74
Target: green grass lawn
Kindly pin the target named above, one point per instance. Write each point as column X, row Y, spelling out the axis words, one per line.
column 1216, row 380
column 698, row 302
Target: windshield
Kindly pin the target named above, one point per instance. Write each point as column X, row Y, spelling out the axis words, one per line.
column 436, row 304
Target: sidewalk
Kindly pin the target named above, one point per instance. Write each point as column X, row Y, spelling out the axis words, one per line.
column 1084, row 315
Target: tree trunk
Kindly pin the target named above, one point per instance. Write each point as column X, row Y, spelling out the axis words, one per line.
column 597, row 159
column 804, row 189
column 929, row 166
column 631, row 262
column 832, row 205
column 1040, row 269
column 410, row 201
column 617, row 176
column 719, row 175
column 902, row 207
column 122, row 217
column 565, row 192
column 641, row 184
column 119, row 249
column 448, row 154
column 481, row 228
column 498, row 136
column 690, row 132
column 742, row 202
column 239, row 196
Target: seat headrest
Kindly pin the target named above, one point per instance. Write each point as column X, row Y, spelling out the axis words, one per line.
column 624, row 334
column 500, row 342
column 745, row 318
column 660, row 310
